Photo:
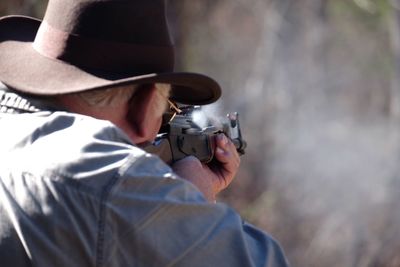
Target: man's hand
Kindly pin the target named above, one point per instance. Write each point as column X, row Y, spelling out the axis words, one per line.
column 213, row 177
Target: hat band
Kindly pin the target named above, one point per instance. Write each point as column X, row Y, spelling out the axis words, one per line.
column 126, row 58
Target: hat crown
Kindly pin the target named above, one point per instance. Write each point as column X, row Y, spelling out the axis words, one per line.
column 121, row 37
column 129, row 21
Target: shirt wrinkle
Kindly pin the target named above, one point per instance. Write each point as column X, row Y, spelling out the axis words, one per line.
column 195, row 244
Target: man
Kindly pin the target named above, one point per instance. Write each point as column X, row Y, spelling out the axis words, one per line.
column 83, row 90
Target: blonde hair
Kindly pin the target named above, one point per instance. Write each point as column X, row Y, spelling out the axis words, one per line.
column 161, row 102
column 113, row 97
column 110, row 97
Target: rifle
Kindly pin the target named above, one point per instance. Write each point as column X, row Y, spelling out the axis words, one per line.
column 182, row 137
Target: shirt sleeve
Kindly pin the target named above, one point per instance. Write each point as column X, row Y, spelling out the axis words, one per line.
column 153, row 218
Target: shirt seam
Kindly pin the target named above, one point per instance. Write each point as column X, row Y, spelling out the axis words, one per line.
column 102, row 219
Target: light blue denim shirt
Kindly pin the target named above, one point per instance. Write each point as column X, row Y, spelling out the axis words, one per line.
column 74, row 191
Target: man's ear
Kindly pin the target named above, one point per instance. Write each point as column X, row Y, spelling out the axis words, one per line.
column 141, row 111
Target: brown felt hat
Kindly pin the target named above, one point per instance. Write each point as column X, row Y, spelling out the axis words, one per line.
column 89, row 44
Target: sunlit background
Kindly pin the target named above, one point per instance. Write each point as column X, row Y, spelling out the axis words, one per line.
column 317, row 86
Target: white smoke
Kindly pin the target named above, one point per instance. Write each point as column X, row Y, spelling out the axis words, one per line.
column 208, row 115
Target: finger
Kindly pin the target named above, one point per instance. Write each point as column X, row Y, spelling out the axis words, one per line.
column 227, row 155
column 220, row 140
column 224, row 142
column 226, row 169
column 225, row 149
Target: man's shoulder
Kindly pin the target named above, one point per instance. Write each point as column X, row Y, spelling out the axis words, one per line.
column 64, row 128
column 71, row 145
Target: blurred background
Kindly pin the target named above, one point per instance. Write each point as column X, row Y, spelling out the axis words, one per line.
column 317, row 87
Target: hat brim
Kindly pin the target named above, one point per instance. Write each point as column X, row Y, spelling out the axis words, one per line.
column 25, row 70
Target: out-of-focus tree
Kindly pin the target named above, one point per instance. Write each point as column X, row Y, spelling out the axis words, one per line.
column 395, row 34
column 312, row 80
column 23, row 7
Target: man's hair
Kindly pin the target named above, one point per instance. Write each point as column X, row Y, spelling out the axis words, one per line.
column 161, row 103
column 113, row 97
